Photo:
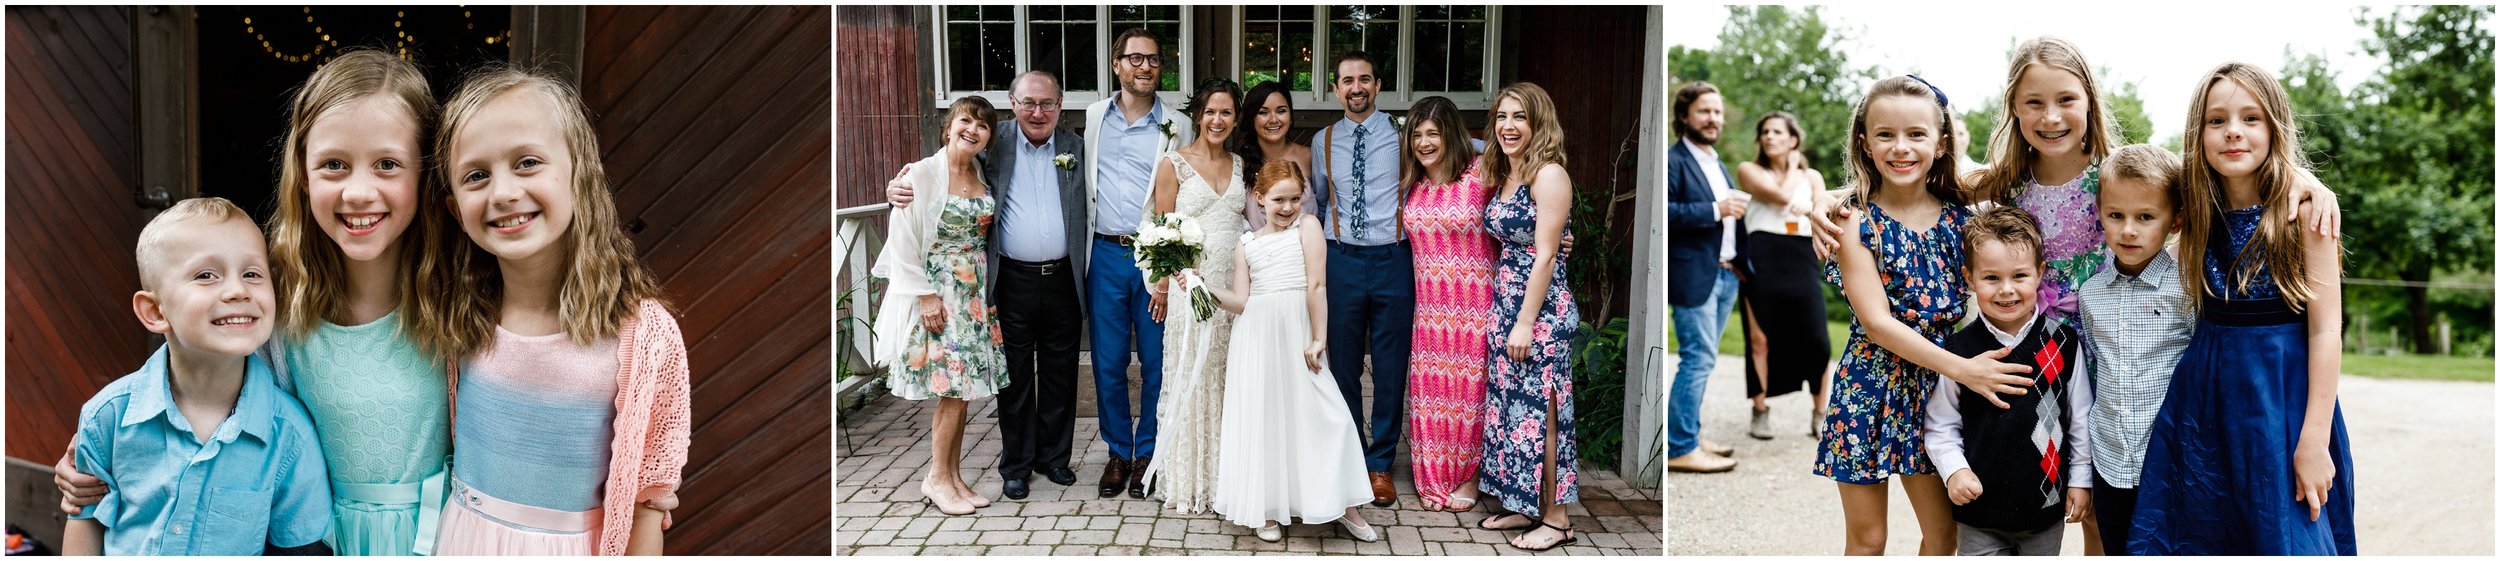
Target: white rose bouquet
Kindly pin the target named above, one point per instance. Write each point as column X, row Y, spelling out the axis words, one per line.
column 1168, row 244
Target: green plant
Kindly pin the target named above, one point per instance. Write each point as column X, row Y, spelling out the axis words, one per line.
column 843, row 324
column 1597, row 379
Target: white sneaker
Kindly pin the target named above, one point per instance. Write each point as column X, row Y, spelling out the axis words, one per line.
column 1361, row 532
column 1272, row 532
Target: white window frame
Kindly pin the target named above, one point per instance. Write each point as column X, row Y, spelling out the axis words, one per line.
column 1401, row 96
column 1073, row 101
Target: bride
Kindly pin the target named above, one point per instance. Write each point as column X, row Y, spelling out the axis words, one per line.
column 1192, row 403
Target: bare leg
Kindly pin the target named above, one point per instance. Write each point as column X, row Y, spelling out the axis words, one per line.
column 1555, row 517
column 957, row 454
column 941, row 482
column 2092, row 537
column 1760, row 347
column 1862, row 514
column 1937, row 534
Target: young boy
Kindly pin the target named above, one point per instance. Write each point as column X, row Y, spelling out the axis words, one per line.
column 2136, row 312
column 203, row 454
column 2017, row 474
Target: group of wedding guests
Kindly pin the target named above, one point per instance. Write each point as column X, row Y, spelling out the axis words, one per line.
column 1434, row 254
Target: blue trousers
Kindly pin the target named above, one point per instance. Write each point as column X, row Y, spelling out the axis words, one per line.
column 1117, row 300
column 1697, row 330
column 1371, row 309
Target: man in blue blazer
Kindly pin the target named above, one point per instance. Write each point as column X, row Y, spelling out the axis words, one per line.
column 1702, row 209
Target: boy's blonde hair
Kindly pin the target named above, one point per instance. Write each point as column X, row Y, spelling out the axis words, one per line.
column 152, row 238
column 2147, row 164
column 603, row 282
column 2005, row 224
column 2277, row 245
column 311, row 272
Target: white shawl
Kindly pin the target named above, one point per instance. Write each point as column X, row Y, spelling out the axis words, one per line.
column 908, row 233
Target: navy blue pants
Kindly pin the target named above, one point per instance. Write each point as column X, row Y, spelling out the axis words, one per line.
column 1371, row 310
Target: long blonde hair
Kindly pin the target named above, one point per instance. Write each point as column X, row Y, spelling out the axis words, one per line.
column 2278, row 246
column 312, row 272
column 1545, row 137
column 603, row 280
column 2009, row 154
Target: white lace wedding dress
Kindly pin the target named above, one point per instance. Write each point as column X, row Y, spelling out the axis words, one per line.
column 1289, row 448
column 1191, row 410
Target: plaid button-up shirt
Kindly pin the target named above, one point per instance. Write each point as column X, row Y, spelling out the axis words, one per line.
column 2137, row 326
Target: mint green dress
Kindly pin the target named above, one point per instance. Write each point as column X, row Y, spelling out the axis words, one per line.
column 383, row 412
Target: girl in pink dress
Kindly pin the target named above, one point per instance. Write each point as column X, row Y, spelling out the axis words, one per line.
column 1444, row 219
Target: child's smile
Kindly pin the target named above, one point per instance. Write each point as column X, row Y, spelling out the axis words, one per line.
column 361, row 168
column 513, row 180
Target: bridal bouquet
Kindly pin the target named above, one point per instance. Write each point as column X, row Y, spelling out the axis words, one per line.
column 1169, row 243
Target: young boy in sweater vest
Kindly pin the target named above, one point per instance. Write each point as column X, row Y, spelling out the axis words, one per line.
column 2016, row 474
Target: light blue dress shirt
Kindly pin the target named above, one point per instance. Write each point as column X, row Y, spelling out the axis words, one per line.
column 257, row 480
column 1031, row 227
column 1365, row 211
column 1124, row 172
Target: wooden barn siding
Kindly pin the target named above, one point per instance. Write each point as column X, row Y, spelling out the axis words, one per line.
column 883, row 96
column 71, row 220
column 1599, row 98
column 714, row 127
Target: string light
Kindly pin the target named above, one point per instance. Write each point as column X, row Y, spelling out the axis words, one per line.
column 326, row 44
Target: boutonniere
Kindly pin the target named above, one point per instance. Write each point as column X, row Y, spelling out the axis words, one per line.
column 1065, row 161
column 1167, row 131
column 1397, row 121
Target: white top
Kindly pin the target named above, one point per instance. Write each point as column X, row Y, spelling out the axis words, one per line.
column 1762, row 216
column 1720, row 190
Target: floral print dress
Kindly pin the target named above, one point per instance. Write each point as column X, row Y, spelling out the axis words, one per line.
column 965, row 361
column 2070, row 238
column 1878, row 399
column 1518, row 393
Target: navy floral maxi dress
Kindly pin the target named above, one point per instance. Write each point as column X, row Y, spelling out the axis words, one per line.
column 1878, row 399
column 1519, row 392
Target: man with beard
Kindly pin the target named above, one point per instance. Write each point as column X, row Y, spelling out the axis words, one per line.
column 1371, row 269
column 1702, row 214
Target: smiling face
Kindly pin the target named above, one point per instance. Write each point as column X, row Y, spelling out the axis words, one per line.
column 361, row 169
column 2006, row 281
column 1703, row 120
column 1037, row 107
column 1429, row 144
column 2052, row 111
column 1511, row 129
column 1901, row 135
column 210, row 293
column 1139, row 75
column 2236, row 133
column 512, row 177
column 1275, row 118
column 1356, row 86
column 1215, row 121
column 2136, row 219
column 1282, row 202
column 967, row 134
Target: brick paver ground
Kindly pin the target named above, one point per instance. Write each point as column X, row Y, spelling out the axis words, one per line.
column 887, row 450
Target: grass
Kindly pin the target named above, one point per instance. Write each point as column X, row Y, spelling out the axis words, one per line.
column 2401, row 367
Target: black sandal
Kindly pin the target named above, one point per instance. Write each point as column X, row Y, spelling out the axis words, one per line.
column 1568, row 537
column 1532, row 521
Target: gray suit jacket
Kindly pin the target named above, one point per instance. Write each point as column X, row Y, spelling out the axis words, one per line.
column 999, row 168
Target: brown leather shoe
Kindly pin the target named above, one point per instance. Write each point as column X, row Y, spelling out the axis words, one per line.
column 1384, row 493
column 1700, row 461
column 1114, row 476
column 1137, row 476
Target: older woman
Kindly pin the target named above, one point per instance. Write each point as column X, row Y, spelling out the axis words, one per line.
column 1783, row 292
column 935, row 335
column 1444, row 219
column 1530, row 459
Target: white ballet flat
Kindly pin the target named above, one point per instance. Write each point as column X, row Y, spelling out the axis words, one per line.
column 1362, row 533
column 1272, row 533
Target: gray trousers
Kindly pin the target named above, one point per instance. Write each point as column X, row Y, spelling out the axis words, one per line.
column 1982, row 541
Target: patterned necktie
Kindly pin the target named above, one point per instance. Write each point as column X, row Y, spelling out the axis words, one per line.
column 1359, row 157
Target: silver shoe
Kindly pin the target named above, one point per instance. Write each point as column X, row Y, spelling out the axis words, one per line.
column 1761, row 425
column 1363, row 533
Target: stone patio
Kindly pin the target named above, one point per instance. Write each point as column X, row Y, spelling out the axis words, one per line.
column 885, row 450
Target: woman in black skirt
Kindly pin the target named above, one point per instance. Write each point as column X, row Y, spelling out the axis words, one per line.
column 1786, row 345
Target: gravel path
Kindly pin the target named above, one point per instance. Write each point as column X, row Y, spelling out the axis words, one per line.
column 2422, row 455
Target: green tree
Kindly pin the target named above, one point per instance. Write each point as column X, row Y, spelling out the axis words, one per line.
column 2126, row 111
column 2412, row 157
column 1776, row 58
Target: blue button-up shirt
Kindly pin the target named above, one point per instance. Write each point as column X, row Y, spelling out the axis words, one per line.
column 1031, row 226
column 1124, row 172
column 257, row 480
column 1377, row 221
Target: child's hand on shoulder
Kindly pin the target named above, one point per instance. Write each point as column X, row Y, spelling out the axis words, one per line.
column 1963, row 487
column 2078, row 504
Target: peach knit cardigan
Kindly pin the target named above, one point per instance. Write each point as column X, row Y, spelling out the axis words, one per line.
column 648, row 455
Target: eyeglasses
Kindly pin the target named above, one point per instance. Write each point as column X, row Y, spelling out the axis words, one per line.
column 1044, row 106
column 1142, row 59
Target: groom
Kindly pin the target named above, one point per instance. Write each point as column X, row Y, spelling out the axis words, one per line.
column 1127, row 131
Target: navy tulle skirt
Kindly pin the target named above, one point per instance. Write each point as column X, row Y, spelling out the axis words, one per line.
column 2218, row 469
